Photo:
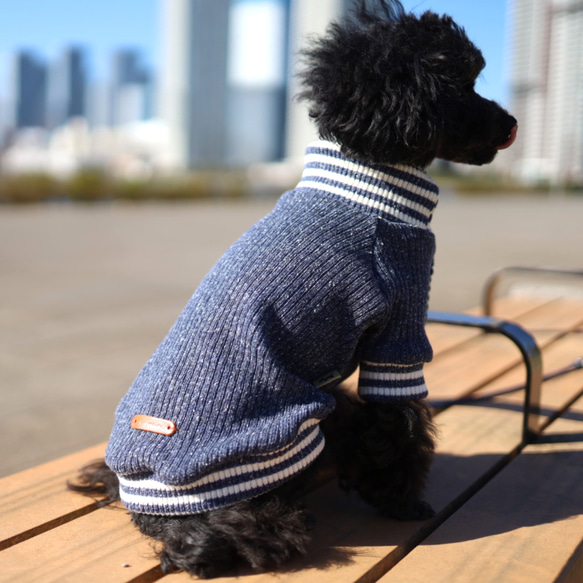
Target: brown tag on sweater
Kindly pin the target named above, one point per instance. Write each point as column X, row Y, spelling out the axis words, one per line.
column 153, row 424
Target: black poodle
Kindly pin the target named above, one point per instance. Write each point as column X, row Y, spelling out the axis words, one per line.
column 244, row 406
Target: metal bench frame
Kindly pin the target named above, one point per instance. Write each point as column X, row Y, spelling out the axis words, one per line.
column 530, row 353
column 525, row 342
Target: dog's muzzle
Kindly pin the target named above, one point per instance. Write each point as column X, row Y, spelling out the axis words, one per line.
column 510, row 140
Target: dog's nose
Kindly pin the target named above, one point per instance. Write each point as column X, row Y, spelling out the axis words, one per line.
column 510, row 139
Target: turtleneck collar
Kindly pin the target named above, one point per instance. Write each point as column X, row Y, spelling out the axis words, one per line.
column 399, row 192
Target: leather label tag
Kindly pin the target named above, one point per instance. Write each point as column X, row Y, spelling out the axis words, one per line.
column 153, row 424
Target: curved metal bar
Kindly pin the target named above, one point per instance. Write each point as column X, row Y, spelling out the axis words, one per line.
column 530, row 353
column 494, row 280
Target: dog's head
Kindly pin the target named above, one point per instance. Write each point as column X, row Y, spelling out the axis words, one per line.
column 392, row 87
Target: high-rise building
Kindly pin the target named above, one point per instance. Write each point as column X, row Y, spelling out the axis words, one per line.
column 547, row 89
column 67, row 88
column 194, row 81
column 229, row 78
column 130, row 86
column 99, row 103
column 257, row 80
column 28, row 93
column 307, row 18
column 133, row 103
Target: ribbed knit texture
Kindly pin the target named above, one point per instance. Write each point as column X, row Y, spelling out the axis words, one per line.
column 335, row 276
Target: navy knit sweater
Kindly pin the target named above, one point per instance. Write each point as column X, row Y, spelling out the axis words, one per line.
column 336, row 276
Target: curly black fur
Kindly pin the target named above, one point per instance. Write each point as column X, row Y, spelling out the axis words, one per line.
column 392, row 87
column 389, row 87
column 97, row 480
column 384, row 452
column 261, row 534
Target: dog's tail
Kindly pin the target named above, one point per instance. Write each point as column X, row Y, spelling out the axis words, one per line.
column 98, row 480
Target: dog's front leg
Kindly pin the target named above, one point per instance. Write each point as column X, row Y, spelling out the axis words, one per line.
column 384, row 452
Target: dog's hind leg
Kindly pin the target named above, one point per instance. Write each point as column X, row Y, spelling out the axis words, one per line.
column 258, row 534
column 384, row 452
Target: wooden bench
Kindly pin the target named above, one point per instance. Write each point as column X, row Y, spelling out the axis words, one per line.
column 508, row 486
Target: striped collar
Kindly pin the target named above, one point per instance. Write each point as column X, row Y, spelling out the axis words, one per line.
column 397, row 192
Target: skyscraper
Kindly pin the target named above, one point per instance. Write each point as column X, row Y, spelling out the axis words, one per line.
column 547, row 89
column 67, row 87
column 130, row 86
column 308, row 17
column 194, row 81
column 257, row 80
column 28, row 94
column 229, row 78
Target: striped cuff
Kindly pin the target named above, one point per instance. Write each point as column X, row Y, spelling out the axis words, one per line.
column 239, row 481
column 391, row 382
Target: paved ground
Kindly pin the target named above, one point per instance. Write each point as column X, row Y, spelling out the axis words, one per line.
column 87, row 293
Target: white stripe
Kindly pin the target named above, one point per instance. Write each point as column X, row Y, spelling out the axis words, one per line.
column 325, row 144
column 373, row 189
column 391, row 376
column 429, row 194
column 364, row 201
column 190, row 499
column 231, row 472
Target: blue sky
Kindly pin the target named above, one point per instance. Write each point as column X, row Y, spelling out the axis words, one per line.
column 103, row 25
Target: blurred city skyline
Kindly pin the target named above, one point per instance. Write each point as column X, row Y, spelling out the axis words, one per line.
column 104, row 26
column 210, row 85
column 187, row 84
column 101, row 26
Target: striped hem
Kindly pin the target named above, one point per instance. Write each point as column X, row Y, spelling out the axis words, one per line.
column 237, row 482
column 400, row 192
column 391, row 382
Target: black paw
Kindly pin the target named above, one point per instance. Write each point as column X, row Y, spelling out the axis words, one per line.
column 418, row 511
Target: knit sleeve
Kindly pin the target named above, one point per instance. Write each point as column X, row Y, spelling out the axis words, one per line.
column 393, row 352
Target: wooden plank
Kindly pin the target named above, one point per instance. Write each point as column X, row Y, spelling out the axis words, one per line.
column 36, row 500
column 558, row 393
column 472, row 365
column 573, row 571
column 561, row 315
column 512, row 306
column 444, row 337
column 487, row 357
column 351, row 543
column 100, row 547
column 526, row 525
